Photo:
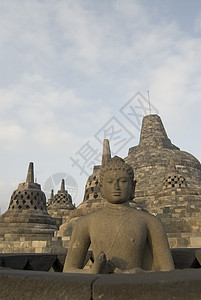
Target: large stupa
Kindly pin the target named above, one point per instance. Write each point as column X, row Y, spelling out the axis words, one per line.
column 168, row 183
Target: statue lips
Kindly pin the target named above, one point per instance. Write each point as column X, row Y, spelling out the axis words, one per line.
column 116, row 193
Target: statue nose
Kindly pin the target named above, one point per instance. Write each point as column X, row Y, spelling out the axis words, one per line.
column 116, row 185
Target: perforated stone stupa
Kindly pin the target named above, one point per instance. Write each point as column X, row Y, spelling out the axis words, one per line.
column 26, row 227
column 168, row 183
column 60, row 204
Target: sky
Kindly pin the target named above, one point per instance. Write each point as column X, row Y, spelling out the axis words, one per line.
column 73, row 72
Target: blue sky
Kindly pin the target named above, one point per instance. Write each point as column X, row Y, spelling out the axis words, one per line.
column 68, row 67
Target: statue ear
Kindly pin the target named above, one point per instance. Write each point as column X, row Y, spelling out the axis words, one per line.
column 133, row 188
column 101, row 190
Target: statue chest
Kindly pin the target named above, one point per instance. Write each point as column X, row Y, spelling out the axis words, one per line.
column 118, row 235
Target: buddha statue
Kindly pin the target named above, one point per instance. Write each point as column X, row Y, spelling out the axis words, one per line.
column 123, row 239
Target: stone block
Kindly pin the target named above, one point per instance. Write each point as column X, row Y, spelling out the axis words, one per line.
column 42, row 285
column 38, row 244
column 66, row 238
column 195, row 242
column 178, row 284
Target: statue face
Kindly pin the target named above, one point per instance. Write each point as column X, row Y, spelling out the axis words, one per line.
column 117, row 186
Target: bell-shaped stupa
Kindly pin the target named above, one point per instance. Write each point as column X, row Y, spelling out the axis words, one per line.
column 26, row 227
column 60, row 205
column 168, row 183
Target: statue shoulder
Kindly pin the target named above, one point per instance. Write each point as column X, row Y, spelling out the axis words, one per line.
column 150, row 218
column 153, row 222
column 88, row 217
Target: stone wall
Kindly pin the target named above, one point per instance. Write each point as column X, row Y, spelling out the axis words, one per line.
column 178, row 285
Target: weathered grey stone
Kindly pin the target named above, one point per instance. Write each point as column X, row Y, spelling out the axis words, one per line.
column 26, row 226
column 62, row 200
column 168, row 183
column 123, row 239
column 42, row 285
column 178, row 284
column 92, row 201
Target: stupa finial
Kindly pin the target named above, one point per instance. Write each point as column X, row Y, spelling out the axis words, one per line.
column 63, row 185
column 52, row 194
column 172, row 165
column 30, row 173
column 106, row 156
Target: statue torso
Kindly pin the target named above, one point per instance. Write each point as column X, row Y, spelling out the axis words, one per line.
column 121, row 234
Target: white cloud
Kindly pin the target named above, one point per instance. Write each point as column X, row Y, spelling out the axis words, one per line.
column 68, row 66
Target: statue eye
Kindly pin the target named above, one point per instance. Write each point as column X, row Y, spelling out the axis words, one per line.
column 123, row 180
column 109, row 181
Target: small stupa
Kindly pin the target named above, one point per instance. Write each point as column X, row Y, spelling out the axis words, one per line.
column 60, row 205
column 26, row 227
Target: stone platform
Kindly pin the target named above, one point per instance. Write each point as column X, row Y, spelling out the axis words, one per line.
column 177, row 285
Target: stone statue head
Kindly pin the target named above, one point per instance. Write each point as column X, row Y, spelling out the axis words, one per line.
column 117, row 183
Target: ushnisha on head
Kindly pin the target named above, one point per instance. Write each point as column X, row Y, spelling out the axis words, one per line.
column 116, row 181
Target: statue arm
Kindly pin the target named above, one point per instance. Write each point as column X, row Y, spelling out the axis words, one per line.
column 158, row 243
column 79, row 244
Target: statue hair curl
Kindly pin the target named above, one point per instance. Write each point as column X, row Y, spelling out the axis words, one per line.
column 116, row 163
